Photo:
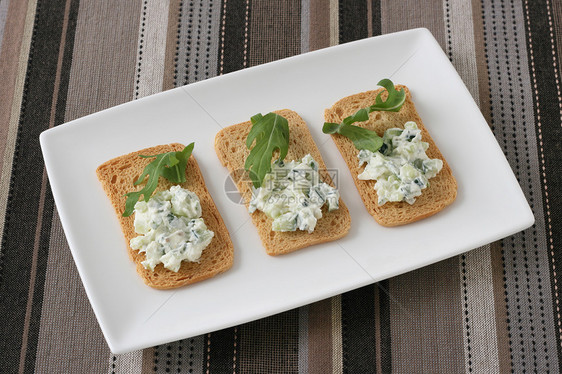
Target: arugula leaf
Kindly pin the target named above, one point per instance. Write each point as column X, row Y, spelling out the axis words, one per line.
column 270, row 133
column 361, row 137
column 393, row 102
column 170, row 165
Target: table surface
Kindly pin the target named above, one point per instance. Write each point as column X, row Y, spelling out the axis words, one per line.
column 493, row 309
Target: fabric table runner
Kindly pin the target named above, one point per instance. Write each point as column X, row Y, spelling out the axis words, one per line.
column 493, row 309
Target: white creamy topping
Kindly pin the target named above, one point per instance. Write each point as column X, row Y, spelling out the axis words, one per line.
column 293, row 195
column 171, row 229
column 401, row 167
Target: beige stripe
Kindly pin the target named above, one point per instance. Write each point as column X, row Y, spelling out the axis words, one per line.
column 482, row 323
column 481, row 350
column 11, row 116
column 421, row 13
column 501, row 342
column 70, row 339
column 319, row 337
column 172, row 36
column 104, row 58
column 152, row 38
column 481, row 61
column 461, row 43
column 500, row 308
column 131, row 362
column 334, row 22
column 337, row 344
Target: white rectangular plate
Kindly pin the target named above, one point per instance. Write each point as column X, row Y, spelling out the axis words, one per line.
column 490, row 204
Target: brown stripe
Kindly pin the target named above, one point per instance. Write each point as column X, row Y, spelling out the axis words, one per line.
column 102, row 75
column 172, row 40
column 481, row 61
column 500, row 308
column 39, row 225
column 264, row 43
column 421, row 13
column 148, row 361
column 10, row 63
column 320, row 337
column 319, row 25
column 426, row 320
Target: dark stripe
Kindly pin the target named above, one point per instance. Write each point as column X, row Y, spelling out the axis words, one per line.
column 264, row 44
column 48, row 209
column 67, row 62
column 385, row 333
column 550, row 130
column 233, row 18
column 376, row 17
column 43, row 254
column 24, row 194
column 219, row 351
column 358, row 330
column 276, row 339
column 353, row 20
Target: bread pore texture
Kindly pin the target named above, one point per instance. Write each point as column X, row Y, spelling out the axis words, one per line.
column 442, row 189
column 117, row 177
column 230, row 146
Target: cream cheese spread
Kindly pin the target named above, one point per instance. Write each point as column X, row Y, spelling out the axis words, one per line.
column 401, row 167
column 292, row 194
column 171, row 229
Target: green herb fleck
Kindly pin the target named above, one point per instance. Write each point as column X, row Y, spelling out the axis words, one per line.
column 170, row 165
column 361, row 137
column 270, row 133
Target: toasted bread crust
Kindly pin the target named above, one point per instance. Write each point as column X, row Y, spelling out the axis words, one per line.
column 117, row 177
column 230, row 146
column 442, row 189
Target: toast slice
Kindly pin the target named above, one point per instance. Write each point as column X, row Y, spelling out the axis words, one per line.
column 230, row 145
column 117, row 177
column 442, row 189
